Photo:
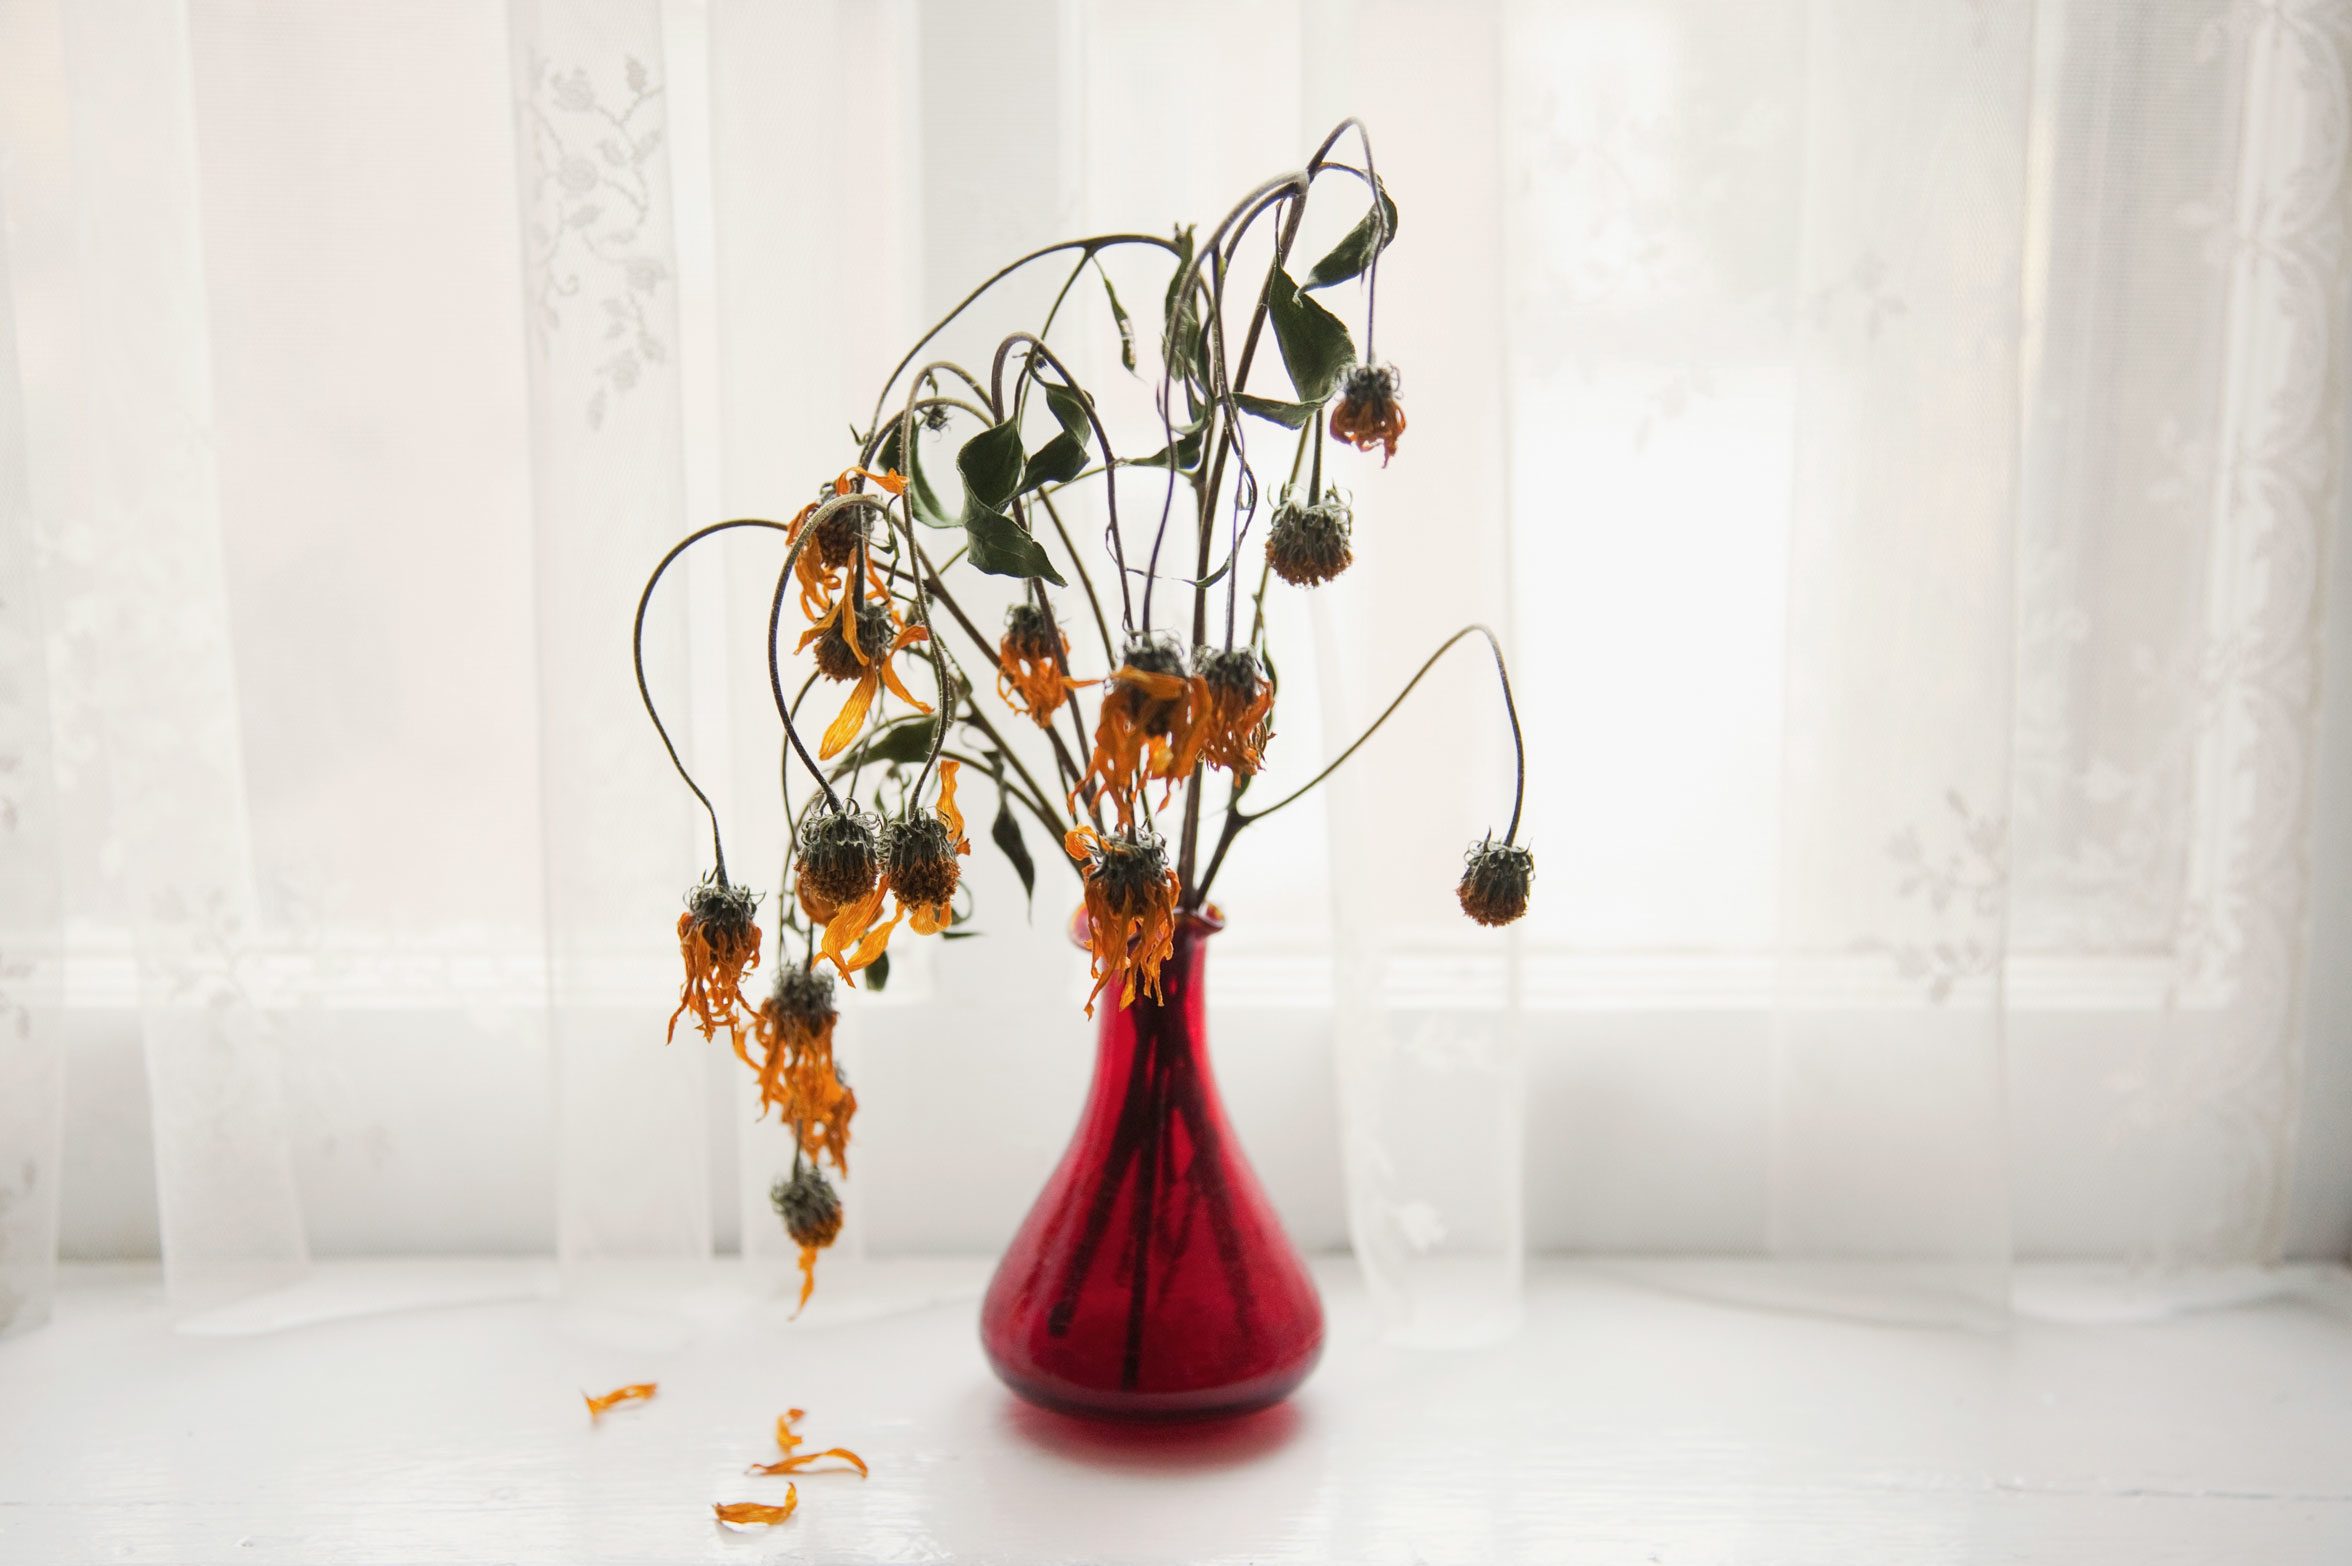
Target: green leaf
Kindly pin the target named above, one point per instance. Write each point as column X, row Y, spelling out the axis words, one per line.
column 1290, row 415
column 922, row 498
column 1000, row 548
column 1185, row 344
column 961, row 935
column 1211, row 580
column 1118, row 318
column 886, row 455
column 901, row 744
column 878, row 975
column 1056, row 462
column 1069, row 406
column 1187, row 450
column 991, row 465
column 1006, row 834
column 1315, row 345
column 1352, row 254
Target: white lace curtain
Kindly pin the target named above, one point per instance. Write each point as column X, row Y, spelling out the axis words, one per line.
column 1901, row 444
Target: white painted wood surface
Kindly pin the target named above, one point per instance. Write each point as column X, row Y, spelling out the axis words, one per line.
column 1633, row 1420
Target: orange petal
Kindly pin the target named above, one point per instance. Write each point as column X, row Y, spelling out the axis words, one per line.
column 636, row 1392
column 844, row 728
column 747, row 1514
column 800, row 1464
column 947, row 800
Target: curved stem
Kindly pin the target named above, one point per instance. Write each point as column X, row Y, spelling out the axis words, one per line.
column 645, row 693
column 1098, row 242
column 1510, row 710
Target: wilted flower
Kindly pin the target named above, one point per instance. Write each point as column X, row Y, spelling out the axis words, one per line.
column 861, row 637
column 838, row 857
column 719, row 938
column 1369, row 414
column 811, row 1210
column 1235, row 718
column 1130, row 908
column 918, row 853
column 1148, row 727
column 798, row 1076
column 1033, row 663
column 1496, row 882
column 1310, row 544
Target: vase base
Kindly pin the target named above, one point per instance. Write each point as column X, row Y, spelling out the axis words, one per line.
column 1194, row 1405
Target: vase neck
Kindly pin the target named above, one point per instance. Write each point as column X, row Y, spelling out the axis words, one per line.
column 1177, row 1021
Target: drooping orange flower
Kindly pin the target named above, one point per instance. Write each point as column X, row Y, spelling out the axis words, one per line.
column 794, row 1460
column 1148, row 729
column 1235, row 724
column 1368, row 413
column 818, row 567
column 798, row 1076
column 636, row 1392
column 750, row 1514
column 920, row 873
column 1130, row 909
column 719, row 938
column 848, row 621
column 1033, row 664
column 811, row 1210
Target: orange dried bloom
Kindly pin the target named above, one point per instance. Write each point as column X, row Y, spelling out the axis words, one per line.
column 1148, row 728
column 919, row 870
column 749, row 1514
column 719, row 938
column 811, row 1210
column 1130, row 909
column 637, row 1392
column 1368, row 413
column 819, row 567
column 1237, row 715
column 796, row 1461
column 854, row 627
column 1033, row 664
column 797, row 1073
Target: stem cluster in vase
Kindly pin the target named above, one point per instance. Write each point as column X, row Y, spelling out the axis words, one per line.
column 1175, row 723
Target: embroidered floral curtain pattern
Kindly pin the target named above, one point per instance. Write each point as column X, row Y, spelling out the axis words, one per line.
column 1925, row 425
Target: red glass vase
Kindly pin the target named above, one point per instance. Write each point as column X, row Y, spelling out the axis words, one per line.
column 1152, row 1280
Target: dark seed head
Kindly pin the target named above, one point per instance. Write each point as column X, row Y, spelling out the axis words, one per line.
column 1154, row 653
column 837, row 660
column 838, row 535
column 1030, row 633
column 1311, row 544
column 804, row 997
column 1231, row 672
column 722, row 910
column 809, row 1206
column 1131, row 867
column 839, row 855
column 1496, row 882
column 920, row 854
column 1372, row 387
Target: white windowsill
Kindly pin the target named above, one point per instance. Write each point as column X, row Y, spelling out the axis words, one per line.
column 1633, row 1419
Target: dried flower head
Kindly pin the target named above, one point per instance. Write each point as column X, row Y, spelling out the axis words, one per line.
column 1496, row 882
column 1033, row 663
column 719, row 938
column 1130, row 908
column 1148, row 727
column 798, row 1075
column 839, row 534
column 1237, row 718
column 1310, row 544
column 811, row 1210
column 839, row 857
column 867, row 658
column 918, row 851
column 838, row 657
column 1368, row 413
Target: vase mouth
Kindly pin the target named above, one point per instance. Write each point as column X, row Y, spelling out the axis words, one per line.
column 1203, row 921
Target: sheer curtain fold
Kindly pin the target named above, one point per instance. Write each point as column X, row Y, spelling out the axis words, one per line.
column 593, row 148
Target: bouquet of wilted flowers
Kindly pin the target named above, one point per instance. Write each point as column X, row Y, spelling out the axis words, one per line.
column 870, row 569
